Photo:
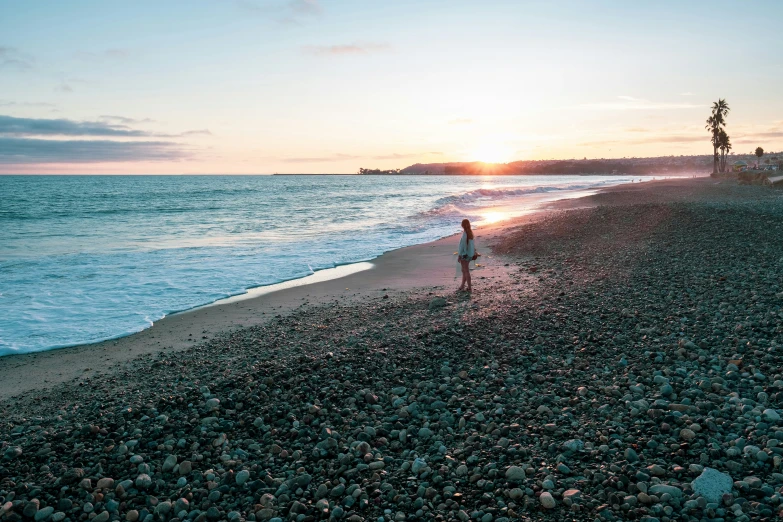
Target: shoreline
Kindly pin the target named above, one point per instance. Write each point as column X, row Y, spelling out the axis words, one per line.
column 507, row 205
column 614, row 349
column 36, row 371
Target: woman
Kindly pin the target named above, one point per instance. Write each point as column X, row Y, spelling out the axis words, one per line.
column 466, row 253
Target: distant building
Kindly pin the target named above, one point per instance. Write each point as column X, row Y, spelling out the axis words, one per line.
column 740, row 165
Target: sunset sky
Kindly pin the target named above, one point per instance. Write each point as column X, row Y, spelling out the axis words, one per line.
column 328, row 86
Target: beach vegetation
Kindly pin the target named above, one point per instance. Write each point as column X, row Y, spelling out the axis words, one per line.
column 759, row 153
column 715, row 124
column 376, row 172
column 724, row 144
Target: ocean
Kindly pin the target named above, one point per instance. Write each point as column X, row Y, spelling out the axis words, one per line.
column 89, row 258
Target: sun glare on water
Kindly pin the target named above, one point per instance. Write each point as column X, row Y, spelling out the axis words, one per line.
column 491, row 216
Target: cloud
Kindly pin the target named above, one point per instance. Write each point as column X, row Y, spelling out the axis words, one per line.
column 336, row 157
column 26, row 151
column 356, row 48
column 629, row 103
column 687, row 94
column 62, row 127
column 8, row 103
column 12, row 126
column 201, row 132
column 125, row 121
column 460, row 121
column 406, row 156
column 289, row 12
column 103, row 56
column 673, row 139
column 63, row 87
column 757, row 137
column 305, row 7
column 11, row 58
column 770, row 134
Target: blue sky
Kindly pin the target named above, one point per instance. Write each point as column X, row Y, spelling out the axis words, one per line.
column 258, row 86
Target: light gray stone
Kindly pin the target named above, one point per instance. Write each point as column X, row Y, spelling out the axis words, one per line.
column 712, row 485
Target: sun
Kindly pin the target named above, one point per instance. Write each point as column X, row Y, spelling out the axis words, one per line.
column 491, row 152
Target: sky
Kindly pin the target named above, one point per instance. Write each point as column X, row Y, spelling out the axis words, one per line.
column 329, row 86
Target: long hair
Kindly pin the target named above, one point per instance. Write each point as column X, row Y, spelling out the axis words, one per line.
column 467, row 229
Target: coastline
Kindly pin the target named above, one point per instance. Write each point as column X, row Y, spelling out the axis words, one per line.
column 37, row 371
column 428, row 265
column 636, row 332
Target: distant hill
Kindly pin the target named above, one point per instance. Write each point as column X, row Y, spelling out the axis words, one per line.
column 637, row 166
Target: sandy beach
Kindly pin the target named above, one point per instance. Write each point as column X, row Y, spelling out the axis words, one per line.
column 619, row 360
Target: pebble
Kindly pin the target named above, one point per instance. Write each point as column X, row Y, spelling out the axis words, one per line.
column 547, row 501
column 44, row 514
column 515, row 474
column 242, row 477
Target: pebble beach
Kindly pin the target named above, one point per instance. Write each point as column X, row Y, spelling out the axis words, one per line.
column 624, row 365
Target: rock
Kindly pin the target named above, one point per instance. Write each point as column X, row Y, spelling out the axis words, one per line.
column 185, row 467
column 132, row 515
column 630, row 455
column 547, row 501
column 103, row 516
column 425, row 433
column 242, row 477
column 437, row 303
column 660, row 489
column 573, row 445
column 770, row 415
column 516, row 494
column 163, row 509
column 572, row 495
column 105, row 483
column 143, row 481
column 418, row 466
column 712, row 485
column 687, row 434
column 169, row 463
column 31, row 508
column 12, row 452
column 44, row 514
column 515, row 474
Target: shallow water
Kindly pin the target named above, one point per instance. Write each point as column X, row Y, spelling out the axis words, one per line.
column 89, row 258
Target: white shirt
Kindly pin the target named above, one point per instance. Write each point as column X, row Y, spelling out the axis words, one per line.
column 466, row 248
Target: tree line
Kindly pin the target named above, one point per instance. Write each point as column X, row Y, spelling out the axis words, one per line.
column 375, row 172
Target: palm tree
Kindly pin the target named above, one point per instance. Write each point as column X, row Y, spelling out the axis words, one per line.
column 714, row 129
column 715, row 123
column 724, row 143
column 759, row 153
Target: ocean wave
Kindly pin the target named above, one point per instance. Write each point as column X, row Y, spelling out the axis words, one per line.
column 484, row 194
column 478, row 198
